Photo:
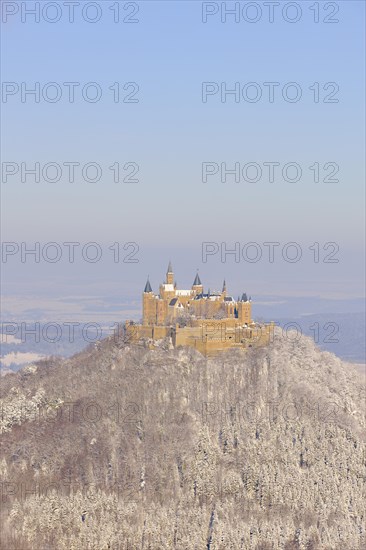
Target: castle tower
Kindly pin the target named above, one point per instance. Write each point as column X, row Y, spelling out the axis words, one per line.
column 224, row 292
column 148, row 305
column 197, row 286
column 170, row 274
column 244, row 310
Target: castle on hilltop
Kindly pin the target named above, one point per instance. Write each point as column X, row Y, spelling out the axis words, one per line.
column 208, row 321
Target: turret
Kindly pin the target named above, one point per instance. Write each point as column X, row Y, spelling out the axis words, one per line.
column 148, row 305
column 147, row 286
column 197, row 285
column 224, row 288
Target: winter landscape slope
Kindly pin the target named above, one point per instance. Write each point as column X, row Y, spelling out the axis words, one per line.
column 126, row 447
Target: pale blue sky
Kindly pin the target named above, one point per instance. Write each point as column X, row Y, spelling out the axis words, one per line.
column 170, row 132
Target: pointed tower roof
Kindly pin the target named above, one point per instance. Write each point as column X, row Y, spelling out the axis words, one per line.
column 244, row 297
column 170, row 268
column 224, row 286
column 148, row 286
column 197, row 280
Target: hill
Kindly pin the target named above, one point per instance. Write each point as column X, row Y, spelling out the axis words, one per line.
column 126, row 447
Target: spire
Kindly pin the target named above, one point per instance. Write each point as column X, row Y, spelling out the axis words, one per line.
column 197, row 280
column 224, row 286
column 244, row 297
column 169, row 274
column 148, row 286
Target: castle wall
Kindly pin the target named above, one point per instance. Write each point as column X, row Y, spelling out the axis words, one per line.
column 135, row 332
column 218, row 335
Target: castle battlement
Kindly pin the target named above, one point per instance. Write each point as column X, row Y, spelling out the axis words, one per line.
column 208, row 321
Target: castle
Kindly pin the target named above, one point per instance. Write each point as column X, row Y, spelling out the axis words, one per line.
column 208, row 321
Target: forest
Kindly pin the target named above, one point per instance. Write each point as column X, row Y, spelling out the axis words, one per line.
column 133, row 446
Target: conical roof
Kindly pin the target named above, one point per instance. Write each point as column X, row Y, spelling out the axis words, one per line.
column 148, row 286
column 170, row 268
column 197, row 280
